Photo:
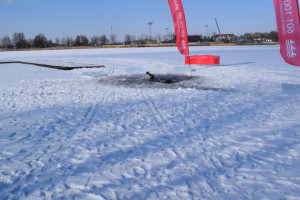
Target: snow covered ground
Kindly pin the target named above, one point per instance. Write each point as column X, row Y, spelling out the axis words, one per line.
column 222, row 132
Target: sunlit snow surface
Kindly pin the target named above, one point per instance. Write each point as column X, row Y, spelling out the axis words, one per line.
column 219, row 132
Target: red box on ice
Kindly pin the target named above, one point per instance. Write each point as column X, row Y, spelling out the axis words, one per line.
column 202, row 60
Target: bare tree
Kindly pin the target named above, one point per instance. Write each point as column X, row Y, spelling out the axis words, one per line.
column 29, row 43
column 50, row 43
column 81, row 40
column 84, row 40
column 6, row 43
column 142, row 41
column 69, row 41
column 158, row 38
column 113, row 39
column 273, row 35
column 64, row 42
column 57, row 41
column 94, row 40
column 40, row 41
column 19, row 40
column 129, row 39
column 77, row 41
column 103, row 40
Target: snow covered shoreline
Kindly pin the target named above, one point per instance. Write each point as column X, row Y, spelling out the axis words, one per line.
column 230, row 133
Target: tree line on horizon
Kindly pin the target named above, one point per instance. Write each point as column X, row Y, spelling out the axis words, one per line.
column 19, row 41
column 259, row 37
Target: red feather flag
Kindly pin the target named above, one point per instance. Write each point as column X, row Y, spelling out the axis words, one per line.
column 288, row 25
column 179, row 26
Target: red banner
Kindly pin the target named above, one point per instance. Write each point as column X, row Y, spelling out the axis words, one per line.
column 288, row 25
column 179, row 26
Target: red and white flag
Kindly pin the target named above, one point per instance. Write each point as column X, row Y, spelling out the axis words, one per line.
column 179, row 26
column 288, row 25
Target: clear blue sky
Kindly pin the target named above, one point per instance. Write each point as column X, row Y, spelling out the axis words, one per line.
column 62, row 18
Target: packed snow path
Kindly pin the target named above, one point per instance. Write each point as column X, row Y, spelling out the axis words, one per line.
column 231, row 132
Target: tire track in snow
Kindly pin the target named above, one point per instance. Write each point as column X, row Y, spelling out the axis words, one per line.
column 215, row 140
column 176, row 140
column 93, row 110
column 57, row 138
column 89, row 116
column 161, row 121
column 169, row 148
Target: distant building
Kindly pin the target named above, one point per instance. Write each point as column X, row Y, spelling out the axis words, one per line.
column 224, row 37
column 195, row 38
column 262, row 40
column 170, row 38
column 191, row 38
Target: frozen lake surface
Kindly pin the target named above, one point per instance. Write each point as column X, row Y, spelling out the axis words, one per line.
column 220, row 132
